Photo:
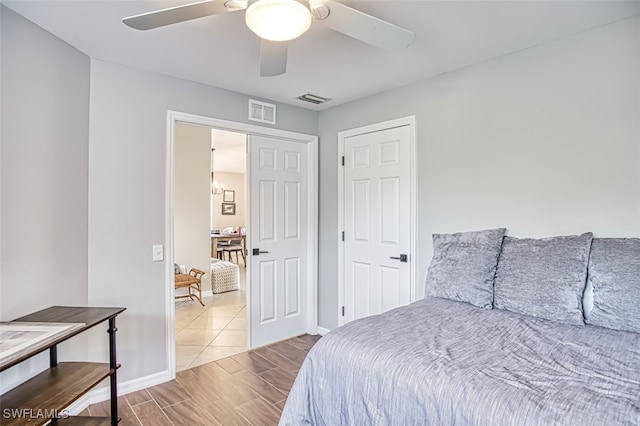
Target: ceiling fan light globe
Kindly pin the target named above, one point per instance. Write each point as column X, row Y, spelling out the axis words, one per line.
column 278, row 20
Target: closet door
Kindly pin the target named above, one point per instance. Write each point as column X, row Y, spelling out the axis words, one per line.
column 377, row 218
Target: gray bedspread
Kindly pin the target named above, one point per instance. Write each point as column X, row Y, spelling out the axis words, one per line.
column 439, row 362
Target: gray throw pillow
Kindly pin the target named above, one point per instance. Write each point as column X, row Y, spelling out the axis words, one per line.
column 543, row 277
column 464, row 265
column 614, row 272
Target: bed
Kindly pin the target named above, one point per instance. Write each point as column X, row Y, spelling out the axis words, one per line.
column 440, row 361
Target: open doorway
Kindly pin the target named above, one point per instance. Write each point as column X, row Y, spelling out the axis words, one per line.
column 210, row 225
column 281, row 284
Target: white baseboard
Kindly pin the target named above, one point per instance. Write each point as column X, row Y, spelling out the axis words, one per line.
column 322, row 331
column 104, row 393
column 207, row 293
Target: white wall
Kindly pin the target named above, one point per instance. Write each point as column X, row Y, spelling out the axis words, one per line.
column 544, row 142
column 43, row 175
column 127, row 169
column 192, row 159
column 234, row 182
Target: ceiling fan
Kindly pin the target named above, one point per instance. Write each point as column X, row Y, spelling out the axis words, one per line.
column 277, row 22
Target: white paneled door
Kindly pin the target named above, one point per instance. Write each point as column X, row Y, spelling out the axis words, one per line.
column 278, row 239
column 377, row 222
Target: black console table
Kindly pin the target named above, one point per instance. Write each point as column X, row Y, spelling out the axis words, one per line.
column 44, row 397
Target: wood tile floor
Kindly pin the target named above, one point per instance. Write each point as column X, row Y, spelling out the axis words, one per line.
column 248, row 388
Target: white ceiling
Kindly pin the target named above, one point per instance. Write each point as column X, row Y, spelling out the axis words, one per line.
column 220, row 51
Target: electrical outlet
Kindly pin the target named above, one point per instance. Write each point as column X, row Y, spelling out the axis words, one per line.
column 158, row 253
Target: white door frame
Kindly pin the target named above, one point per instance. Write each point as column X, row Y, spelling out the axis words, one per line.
column 404, row 121
column 312, row 217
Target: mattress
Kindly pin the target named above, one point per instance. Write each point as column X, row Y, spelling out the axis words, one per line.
column 440, row 362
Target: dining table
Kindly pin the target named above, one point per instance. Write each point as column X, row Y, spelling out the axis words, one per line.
column 226, row 237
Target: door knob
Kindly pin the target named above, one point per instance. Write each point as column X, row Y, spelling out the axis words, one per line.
column 257, row 251
column 402, row 258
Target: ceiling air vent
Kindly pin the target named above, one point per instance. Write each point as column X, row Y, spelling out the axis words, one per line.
column 262, row 112
column 314, row 99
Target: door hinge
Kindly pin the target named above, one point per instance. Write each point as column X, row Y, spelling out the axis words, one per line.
column 342, row 235
column 343, row 311
column 343, row 160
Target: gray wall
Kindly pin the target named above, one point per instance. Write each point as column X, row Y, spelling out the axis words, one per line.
column 544, row 142
column 83, row 188
column 127, row 170
column 43, row 172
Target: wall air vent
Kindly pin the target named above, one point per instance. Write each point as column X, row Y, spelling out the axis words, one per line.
column 314, row 99
column 262, row 112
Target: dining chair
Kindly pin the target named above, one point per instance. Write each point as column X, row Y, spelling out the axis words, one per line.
column 236, row 246
column 220, row 249
column 217, row 252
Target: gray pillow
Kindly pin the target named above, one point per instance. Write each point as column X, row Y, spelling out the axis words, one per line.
column 543, row 277
column 614, row 272
column 464, row 265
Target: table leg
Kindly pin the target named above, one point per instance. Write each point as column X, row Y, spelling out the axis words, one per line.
column 113, row 366
column 214, row 247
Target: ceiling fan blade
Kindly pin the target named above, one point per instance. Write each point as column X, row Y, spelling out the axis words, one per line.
column 173, row 15
column 273, row 57
column 366, row 28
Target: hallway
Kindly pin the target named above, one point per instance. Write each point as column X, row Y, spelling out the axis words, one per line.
column 213, row 331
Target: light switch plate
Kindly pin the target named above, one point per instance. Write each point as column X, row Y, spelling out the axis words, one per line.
column 158, row 253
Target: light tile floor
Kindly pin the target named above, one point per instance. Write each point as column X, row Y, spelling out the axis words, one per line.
column 213, row 331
